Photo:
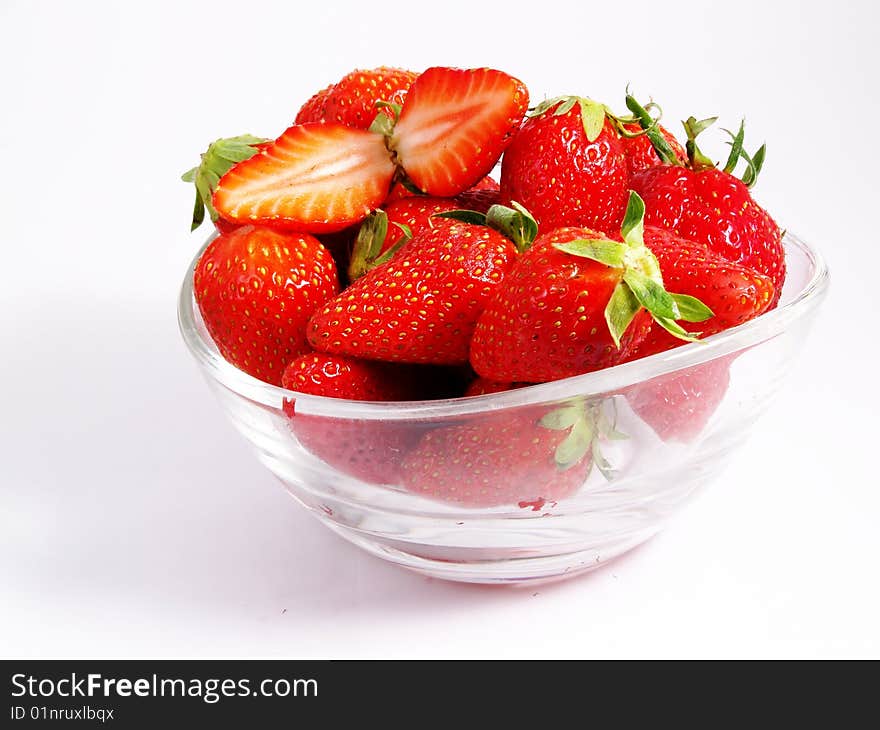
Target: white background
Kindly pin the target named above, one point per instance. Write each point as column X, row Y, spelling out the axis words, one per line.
column 135, row 522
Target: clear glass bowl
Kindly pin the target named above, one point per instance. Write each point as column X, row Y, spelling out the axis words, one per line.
column 683, row 414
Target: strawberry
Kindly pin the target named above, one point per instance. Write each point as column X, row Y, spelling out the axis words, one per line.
column 567, row 166
column 367, row 449
column 639, row 151
column 479, row 199
column 481, row 386
column 454, row 125
column 337, row 376
column 215, row 162
column 677, row 406
column 256, row 289
column 421, row 306
column 399, row 191
column 576, row 302
column 313, row 110
column 384, row 231
column 733, row 292
column 352, row 101
column 487, row 183
column 318, row 178
column 524, row 457
column 703, row 203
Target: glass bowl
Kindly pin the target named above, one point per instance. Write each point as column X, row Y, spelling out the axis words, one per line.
column 471, row 489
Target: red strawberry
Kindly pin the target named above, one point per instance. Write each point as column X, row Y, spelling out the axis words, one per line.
column 479, row 199
column 733, row 292
column 256, row 289
column 401, row 220
column 481, row 386
column 577, row 302
column 703, row 203
column 368, row 449
column 313, row 110
column 420, row 306
column 567, row 166
column 215, row 162
column 487, row 183
column 640, row 153
column 399, row 190
column 524, row 457
column 352, row 101
column 318, row 178
column 454, row 125
column 679, row 405
column 337, row 376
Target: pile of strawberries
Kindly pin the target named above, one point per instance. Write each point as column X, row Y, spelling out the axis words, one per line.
column 365, row 254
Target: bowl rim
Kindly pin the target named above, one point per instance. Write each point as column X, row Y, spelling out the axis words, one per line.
column 593, row 384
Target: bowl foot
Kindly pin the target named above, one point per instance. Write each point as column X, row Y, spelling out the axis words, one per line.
column 500, row 569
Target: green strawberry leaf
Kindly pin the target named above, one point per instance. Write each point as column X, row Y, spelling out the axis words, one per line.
column 736, row 147
column 566, row 106
column 575, row 446
column 692, row 309
column 693, row 128
column 593, row 118
column 391, row 252
column 407, row 231
column 602, row 464
column 633, row 227
column 676, row 330
column 368, row 244
column 563, row 418
column 755, row 163
column 198, row 211
column 651, row 294
column 473, row 217
column 607, row 427
column 622, row 307
column 516, row 223
column 382, row 124
column 548, row 104
column 610, row 253
column 216, row 161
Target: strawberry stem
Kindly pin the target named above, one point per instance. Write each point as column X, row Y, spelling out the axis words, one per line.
column 651, row 128
column 693, row 128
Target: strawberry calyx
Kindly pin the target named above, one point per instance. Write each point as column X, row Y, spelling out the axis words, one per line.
column 384, row 124
column 588, row 426
column 516, row 223
column 215, row 162
column 697, row 160
column 641, row 284
column 593, row 113
column 367, row 252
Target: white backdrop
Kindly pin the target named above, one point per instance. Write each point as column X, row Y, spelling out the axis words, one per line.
column 134, row 522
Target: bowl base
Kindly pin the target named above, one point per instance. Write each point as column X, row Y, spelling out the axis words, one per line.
column 531, row 570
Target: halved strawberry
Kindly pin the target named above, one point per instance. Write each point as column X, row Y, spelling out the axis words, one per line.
column 316, row 178
column 454, row 125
